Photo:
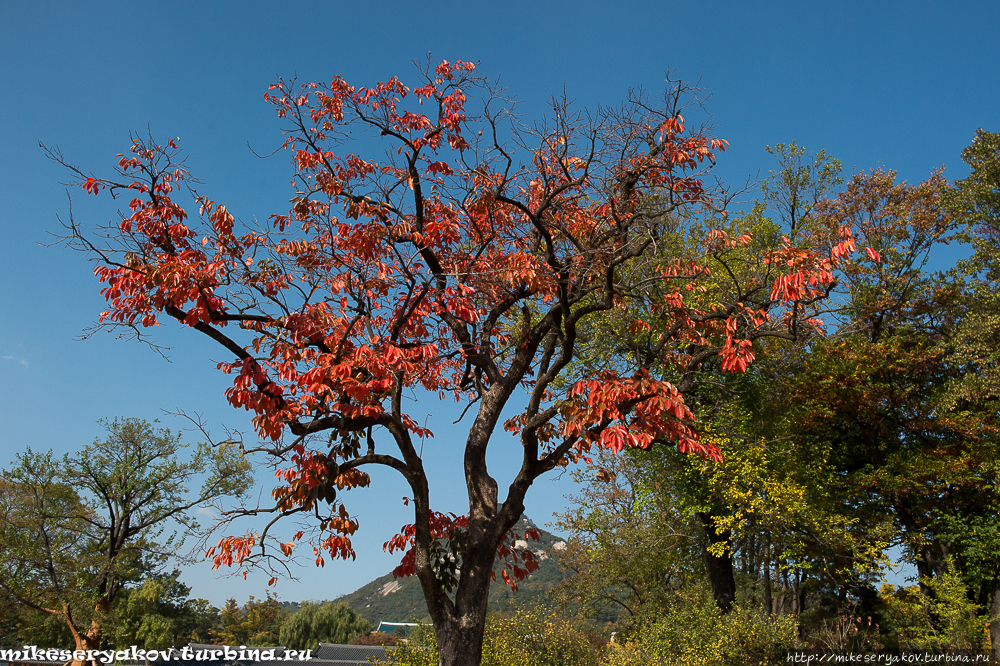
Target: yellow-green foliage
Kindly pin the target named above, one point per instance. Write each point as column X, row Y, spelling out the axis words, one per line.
column 692, row 633
column 419, row 649
column 764, row 485
column 697, row 634
column 139, row 622
column 535, row 638
column 947, row 620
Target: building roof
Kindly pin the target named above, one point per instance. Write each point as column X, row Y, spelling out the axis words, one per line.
column 328, row 654
column 353, row 653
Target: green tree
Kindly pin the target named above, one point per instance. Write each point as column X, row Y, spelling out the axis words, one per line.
column 892, row 394
column 630, row 548
column 880, row 430
column 48, row 562
column 230, row 619
column 746, row 256
column 975, row 203
column 42, row 630
column 75, row 532
column 800, row 184
column 141, row 619
column 257, row 623
column 773, row 510
column 948, row 620
column 322, row 623
column 159, row 614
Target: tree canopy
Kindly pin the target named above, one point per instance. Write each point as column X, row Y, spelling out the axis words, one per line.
column 875, row 432
column 328, row 622
column 466, row 255
column 74, row 532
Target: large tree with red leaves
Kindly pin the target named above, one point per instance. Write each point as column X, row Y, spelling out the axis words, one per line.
column 468, row 260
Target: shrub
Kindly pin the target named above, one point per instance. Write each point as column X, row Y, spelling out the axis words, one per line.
column 376, row 638
column 947, row 620
column 419, row 649
column 522, row 638
column 538, row 638
column 694, row 633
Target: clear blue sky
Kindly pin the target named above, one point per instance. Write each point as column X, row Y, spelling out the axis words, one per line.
column 899, row 84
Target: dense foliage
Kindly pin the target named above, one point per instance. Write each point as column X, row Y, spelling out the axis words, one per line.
column 523, row 637
column 873, row 439
column 322, row 623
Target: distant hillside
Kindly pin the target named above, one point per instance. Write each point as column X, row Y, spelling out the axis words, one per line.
column 386, row 599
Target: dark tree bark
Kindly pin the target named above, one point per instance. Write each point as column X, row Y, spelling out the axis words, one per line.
column 995, row 621
column 800, row 592
column 720, row 569
column 768, row 597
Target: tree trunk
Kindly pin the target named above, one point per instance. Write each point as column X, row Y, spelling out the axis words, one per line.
column 995, row 624
column 460, row 625
column 800, row 592
column 83, row 642
column 929, row 565
column 785, row 587
column 768, row 597
column 461, row 645
column 460, row 641
column 720, row 569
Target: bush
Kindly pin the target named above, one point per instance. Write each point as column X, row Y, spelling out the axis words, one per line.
column 537, row 638
column 694, row 633
column 376, row 638
column 523, row 638
column 419, row 649
column 946, row 621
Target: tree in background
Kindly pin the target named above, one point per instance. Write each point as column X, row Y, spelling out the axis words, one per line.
column 159, row 613
column 74, row 532
column 322, row 623
column 946, row 620
column 257, row 623
column 878, row 394
column 465, row 259
column 815, row 510
column 975, row 203
column 749, row 272
column 630, row 547
column 383, row 638
column 880, row 432
column 49, row 561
